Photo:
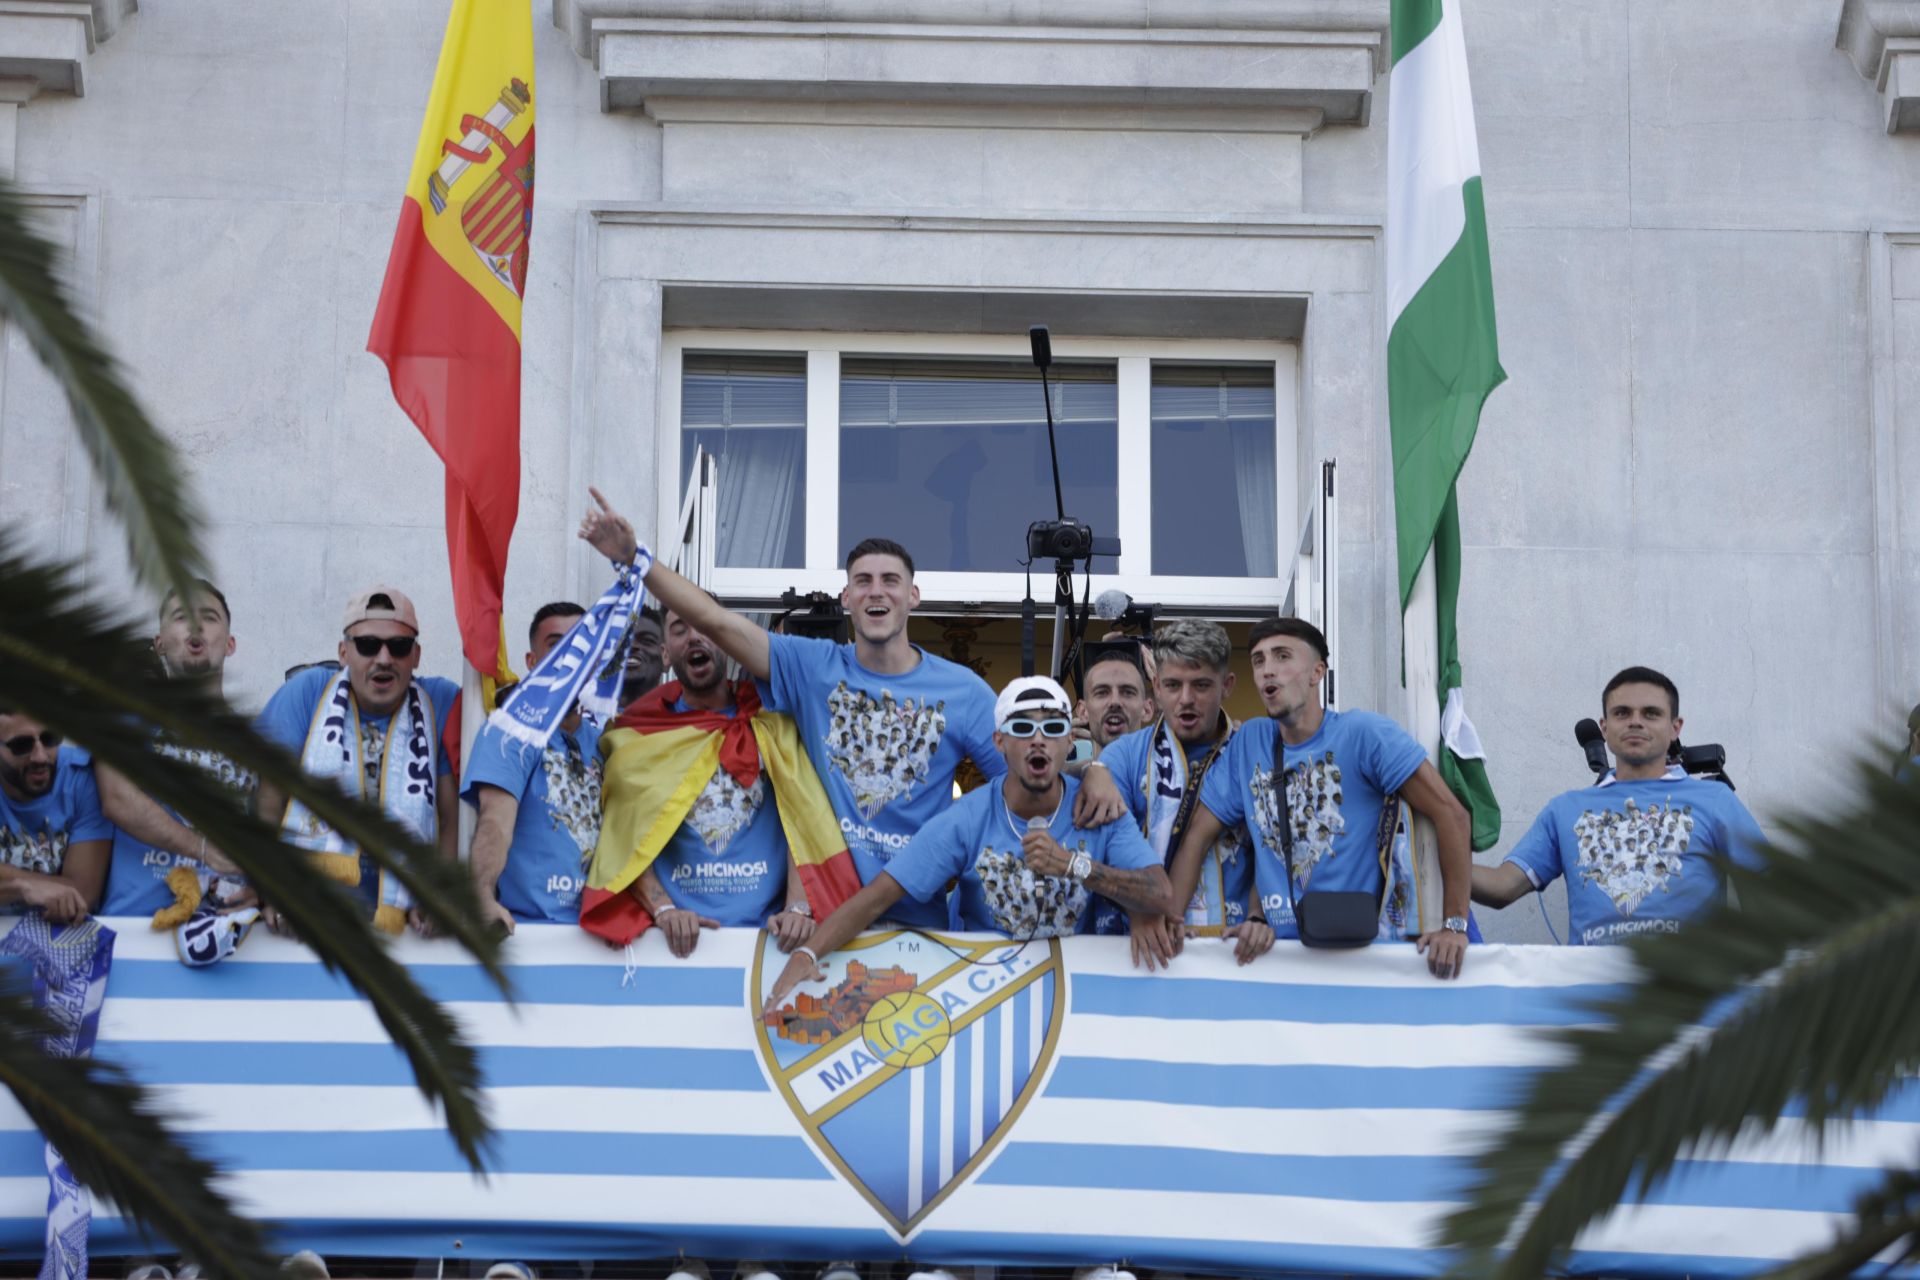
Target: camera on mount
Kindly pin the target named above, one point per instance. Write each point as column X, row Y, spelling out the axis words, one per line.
column 816, row 614
column 1067, row 539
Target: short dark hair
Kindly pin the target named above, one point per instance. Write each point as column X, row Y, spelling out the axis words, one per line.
column 199, row 584
column 879, row 547
column 653, row 611
column 1643, row 675
column 552, row 609
column 1127, row 651
column 1298, row 628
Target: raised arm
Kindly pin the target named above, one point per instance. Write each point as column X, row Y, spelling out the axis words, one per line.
column 610, row 534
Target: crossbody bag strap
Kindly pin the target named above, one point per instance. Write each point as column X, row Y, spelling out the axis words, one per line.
column 1286, row 815
column 1191, row 797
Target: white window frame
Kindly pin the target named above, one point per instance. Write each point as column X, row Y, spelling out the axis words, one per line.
column 1133, row 359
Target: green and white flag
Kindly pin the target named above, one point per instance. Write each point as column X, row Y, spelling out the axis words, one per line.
column 1443, row 359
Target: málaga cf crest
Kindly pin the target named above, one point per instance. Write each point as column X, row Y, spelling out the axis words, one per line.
column 908, row 1066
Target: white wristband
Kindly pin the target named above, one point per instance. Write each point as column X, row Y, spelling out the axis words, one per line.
column 808, row 952
column 661, row 911
column 1102, row 764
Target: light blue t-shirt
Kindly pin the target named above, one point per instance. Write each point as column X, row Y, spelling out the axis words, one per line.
column 1636, row 854
column 137, row 878
column 289, row 715
column 36, row 834
column 1337, row 781
column 557, row 824
column 977, row 841
column 728, row 860
column 1126, row 758
column 884, row 746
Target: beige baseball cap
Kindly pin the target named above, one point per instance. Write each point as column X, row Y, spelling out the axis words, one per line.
column 381, row 604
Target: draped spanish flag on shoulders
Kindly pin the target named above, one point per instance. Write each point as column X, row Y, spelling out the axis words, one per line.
column 448, row 323
column 658, row 761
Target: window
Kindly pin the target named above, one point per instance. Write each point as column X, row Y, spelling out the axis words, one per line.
column 949, row 458
column 1184, row 449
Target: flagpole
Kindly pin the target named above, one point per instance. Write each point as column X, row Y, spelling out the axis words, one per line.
column 473, row 714
column 1420, row 658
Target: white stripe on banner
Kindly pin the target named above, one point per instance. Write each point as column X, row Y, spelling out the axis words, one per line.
column 1431, row 152
column 1312, row 1113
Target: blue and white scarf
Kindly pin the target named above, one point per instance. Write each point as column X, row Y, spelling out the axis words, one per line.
column 68, row 969
column 586, row 667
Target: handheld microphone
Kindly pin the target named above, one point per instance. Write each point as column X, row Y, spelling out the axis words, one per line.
column 1042, row 343
column 1587, row 734
column 1038, row 823
column 1112, row 603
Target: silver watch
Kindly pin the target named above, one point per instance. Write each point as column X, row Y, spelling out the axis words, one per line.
column 1080, row 866
column 1454, row 924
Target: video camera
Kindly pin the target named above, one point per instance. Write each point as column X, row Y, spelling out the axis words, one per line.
column 1067, row 539
column 817, row 614
column 1708, row 760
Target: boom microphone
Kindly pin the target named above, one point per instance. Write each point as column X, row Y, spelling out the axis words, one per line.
column 1111, row 603
column 1587, row 734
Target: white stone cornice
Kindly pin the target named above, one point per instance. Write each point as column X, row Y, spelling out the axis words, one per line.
column 1314, row 56
column 46, row 43
column 1883, row 39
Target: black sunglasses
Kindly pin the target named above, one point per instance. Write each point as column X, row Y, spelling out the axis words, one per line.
column 369, row 646
column 23, row 744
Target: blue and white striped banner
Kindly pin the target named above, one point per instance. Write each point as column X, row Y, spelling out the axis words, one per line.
column 976, row 1101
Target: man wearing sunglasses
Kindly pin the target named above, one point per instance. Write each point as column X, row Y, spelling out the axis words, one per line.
column 54, row 841
column 376, row 728
column 193, row 643
column 1024, row 869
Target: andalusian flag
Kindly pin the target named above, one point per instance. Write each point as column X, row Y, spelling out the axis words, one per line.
column 448, row 324
column 1443, row 359
column 658, row 761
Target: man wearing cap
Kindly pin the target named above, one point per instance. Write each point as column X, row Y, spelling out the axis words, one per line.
column 1023, row 868
column 375, row 728
column 1160, row 769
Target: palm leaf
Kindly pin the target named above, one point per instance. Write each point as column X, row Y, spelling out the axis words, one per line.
column 1794, row 988
column 139, row 473
column 117, row 1145
column 1887, row 1216
column 66, row 664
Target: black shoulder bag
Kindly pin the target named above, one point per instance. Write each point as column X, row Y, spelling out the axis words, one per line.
column 1332, row 919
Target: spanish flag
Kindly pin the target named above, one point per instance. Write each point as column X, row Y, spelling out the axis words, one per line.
column 658, row 761
column 448, row 324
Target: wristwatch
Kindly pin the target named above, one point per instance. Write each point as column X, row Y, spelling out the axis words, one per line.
column 1454, row 924
column 1080, row 865
column 802, row 909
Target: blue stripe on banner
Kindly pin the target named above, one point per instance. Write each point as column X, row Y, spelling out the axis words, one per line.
column 393, row 1151
column 534, row 984
column 1314, row 1087
column 214, row 1062
column 1222, row 1000
column 960, row 1062
column 990, row 1068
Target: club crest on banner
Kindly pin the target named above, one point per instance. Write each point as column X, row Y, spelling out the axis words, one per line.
column 910, row 1064
column 497, row 216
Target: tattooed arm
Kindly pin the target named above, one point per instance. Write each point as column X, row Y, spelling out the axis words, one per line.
column 1142, row 891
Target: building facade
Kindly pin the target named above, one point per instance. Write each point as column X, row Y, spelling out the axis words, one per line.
column 809, row 236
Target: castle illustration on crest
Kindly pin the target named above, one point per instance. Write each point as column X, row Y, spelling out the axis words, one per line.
column 811, row 1019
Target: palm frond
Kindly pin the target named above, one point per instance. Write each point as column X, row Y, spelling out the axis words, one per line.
column 139, row 473
column 117, row 1145
column 67, row 665
column 1886, row 1217
column 1784, row 1000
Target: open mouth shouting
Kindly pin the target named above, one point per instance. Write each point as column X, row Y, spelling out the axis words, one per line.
column 1036, row 764
column 702, row 666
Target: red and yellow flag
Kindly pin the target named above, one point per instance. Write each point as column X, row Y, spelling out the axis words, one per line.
column 448, row 324
column 658, row 760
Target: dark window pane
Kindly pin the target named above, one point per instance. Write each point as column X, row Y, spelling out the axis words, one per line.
column 949, row 457
column 750, row 413
column 1214, row 498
